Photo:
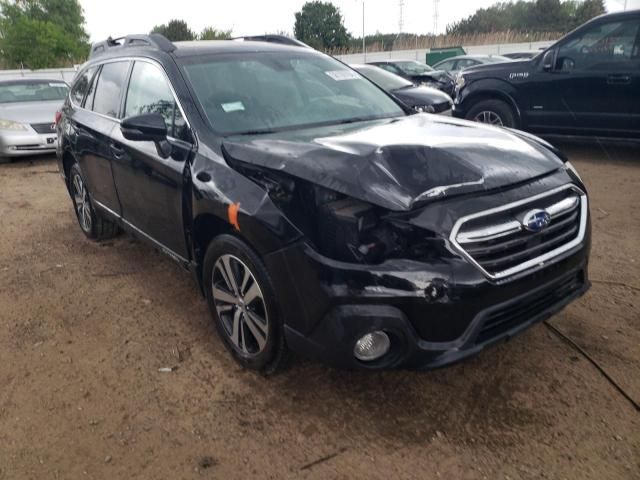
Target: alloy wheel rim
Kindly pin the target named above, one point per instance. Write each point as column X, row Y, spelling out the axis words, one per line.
column 81, row 200
column 489, row 117
column 240, row 304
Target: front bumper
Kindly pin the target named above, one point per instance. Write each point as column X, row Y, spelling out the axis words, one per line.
column 330, row 305
column 25, row 143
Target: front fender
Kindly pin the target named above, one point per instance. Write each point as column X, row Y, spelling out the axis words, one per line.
column 235, row 203
column 484, row 89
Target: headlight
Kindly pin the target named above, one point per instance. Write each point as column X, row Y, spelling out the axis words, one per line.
column 569, row 166
column 9, row 125
column 460, row 81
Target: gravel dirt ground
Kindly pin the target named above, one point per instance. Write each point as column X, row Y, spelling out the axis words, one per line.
column 85, row 328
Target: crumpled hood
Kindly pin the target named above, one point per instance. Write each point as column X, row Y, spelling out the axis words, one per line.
column 30, row 112
column 400, row 163
column 437, row 75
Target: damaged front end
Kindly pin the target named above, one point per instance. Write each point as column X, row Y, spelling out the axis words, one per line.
column 341, row 227
column 375, row 254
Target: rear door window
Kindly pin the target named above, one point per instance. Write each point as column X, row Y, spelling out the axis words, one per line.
column 109, row 88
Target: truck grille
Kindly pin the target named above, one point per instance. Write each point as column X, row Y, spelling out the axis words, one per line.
column 46, row 128
column 506, row 240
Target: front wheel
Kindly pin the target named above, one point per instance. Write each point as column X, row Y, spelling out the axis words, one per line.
column 492, row 112
column 240, row 295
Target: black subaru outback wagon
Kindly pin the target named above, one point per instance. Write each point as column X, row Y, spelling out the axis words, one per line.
column 315, row 212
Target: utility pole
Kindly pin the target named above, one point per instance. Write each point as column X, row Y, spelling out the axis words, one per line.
column 364, row 45
column 401, row 18
column 436, row 16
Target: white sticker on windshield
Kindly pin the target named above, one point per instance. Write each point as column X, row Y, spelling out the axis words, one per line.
column 233, row 107
column 58, row 85
column 340, row 75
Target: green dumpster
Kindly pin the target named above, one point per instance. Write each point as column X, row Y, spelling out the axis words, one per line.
column 436, row 55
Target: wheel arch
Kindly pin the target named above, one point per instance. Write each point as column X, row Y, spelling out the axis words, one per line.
column 68, row 159
column 493, row 93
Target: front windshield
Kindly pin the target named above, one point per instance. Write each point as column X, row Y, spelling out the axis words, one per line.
column 30, row 91
column 384, row 79
column 414, row 68
column 261, row 92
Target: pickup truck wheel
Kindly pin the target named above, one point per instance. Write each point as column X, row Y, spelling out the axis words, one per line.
column 240, row 295
column 492, row 112
column 93, row 225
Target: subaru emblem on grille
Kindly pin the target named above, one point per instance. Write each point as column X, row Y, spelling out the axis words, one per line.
column 536, row 220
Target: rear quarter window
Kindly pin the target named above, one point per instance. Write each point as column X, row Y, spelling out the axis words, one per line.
column 81, row 85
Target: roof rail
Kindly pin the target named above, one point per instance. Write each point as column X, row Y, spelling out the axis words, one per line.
column 153, row 40
column 281, row 39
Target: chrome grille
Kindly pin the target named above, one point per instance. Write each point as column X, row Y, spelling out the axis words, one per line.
column 498, row 243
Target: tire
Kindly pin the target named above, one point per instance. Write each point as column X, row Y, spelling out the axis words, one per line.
column 493, row 112
column 250, row 328
column 93, row 225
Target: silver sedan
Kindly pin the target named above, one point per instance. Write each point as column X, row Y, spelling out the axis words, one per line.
column 27, row 116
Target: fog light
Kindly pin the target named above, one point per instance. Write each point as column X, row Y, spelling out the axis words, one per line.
column 372, row 346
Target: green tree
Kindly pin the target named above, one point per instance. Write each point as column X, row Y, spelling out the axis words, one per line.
column 175, row 30
column 589, row 9
column 42, row 33
column 529, row 16
column 320, row 25
column 211, row 33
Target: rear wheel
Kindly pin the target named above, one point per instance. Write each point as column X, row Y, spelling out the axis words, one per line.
column 492, row 112
column 240, row 295
column 92, row 224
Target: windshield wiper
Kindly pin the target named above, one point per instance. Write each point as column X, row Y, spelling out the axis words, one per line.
column 262, row 131
column 356, row 120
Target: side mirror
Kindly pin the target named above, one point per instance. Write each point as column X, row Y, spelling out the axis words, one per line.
column 547, row 60
column 149, row 127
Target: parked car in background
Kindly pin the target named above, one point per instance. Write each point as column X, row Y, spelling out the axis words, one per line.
column 522, row 55
column 316, row 212
column 419, row 98
column 420, row 74
column 586, row 84
column 27, row 116
column 454, row 64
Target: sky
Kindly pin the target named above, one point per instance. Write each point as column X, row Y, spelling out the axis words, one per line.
column 250, row 17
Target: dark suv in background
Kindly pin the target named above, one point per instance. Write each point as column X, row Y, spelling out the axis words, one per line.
column 587, row 84
column 316, row 212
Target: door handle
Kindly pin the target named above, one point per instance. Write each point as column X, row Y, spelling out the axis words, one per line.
column 118, row 152
column 619, row 79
